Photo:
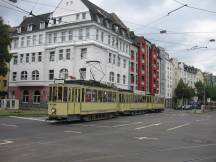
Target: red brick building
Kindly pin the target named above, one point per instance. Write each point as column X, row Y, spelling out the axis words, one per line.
column 147, row 67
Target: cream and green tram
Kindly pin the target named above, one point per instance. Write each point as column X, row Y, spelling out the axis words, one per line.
column 81, row 102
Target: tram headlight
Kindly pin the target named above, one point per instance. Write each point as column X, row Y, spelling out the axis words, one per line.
column 53, row 110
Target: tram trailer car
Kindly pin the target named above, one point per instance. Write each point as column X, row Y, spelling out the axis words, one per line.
column 90, row 100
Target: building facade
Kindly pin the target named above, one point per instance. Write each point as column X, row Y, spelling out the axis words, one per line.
column 77, row 41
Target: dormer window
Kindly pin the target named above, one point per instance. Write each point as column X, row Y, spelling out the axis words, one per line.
column 107, row 24
column 98, row 19
column 42, row 25
column 54, row 21
column 19, row 29
column 77, row 16
column 30, row 27
column 116, row 28
column 59, row 20
column 84, row 15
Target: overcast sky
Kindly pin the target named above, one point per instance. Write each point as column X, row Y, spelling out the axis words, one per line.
column 148, row 18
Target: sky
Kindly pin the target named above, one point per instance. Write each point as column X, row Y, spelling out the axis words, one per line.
column 189, row 31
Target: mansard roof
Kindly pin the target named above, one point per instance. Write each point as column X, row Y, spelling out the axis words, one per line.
column 112, row 17
column 35, row 21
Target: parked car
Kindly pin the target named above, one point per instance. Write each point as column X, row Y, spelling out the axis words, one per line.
column 187, row 107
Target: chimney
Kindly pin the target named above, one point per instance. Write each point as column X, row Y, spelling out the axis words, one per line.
column 24, row 17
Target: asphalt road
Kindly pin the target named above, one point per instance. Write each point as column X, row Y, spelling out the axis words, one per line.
column 172, row 136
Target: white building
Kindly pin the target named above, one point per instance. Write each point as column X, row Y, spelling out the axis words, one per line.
column 77, row 41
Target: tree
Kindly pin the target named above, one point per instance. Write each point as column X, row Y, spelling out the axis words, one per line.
column 200, row 89
column 211, row 92
column 5, row 42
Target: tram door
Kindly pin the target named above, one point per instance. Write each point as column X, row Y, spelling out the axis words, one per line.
column 74, row 101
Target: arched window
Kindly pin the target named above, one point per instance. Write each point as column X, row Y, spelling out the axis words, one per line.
column 25, row 96
column 24, row 75
column 63, row 74
column 124, row 79
column 112, row 77
column 118, row 78
column 35, row 75
column 36, row 97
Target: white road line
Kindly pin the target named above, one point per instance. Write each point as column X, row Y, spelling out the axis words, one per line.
column 180, row 126
column 34, row 119
column 73, row 132
column 5, row 142
column 146, row 138
column 147, row 126
column 122, row 125
column 8, row 125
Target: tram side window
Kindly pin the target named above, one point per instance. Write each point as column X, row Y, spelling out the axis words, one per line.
column 65, row 94
column 88, row 95
column 114, row 97
column 70, row 95
column 60, row 94
column 94, row 95
column 54, row 94
column 100, row 96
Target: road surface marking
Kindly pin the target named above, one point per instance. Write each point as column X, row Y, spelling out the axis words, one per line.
column 122, row 125
column 72, row 132
column 146, row 138
column 5, row 142
column 34, row 119
column 180, row 126
column 8, row 125
column 147, row 126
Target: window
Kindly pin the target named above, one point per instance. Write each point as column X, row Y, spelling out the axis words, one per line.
column 97, row 34
column 83, row 73
column 119, row 61
column 83, row 53
column 54, row 37
column 49, row 38
column 36, row 97
column 27, row 58
column 25, row 96
column 83, row 15
column 80, row 34
column 118, row 78
column 63, row 36
column 77, row 16
column 40, row 39
column 15, row 60
column 52, row 56
column 113, row 41
column 35, row 75
column 28, row 41
column 125, row 63
column 114, row 59
column 24, row 75
column 21, row 58
column 29, row 27
column 22, row 41
column 16, row 42
column 68, row 54
column 124, row 79
column 110, row 58
column 70, row 37
column 63, row 74
column 59, row 20
column 87, row 33
column 39, row 57
column 42, row 25
column 112, row 77
column 109, row 39
column 51, row 74
column 34, row 40
column 33, row 57
column 102, row 36
column 19, row 29
column 61, row 54
column 14, row 76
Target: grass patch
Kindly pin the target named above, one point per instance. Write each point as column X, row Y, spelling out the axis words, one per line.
column 22, row 112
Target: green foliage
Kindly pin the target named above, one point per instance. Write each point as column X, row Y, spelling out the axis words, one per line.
column 211, row 92
column 200, row 89
column 5, row 42
column 183, row 90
